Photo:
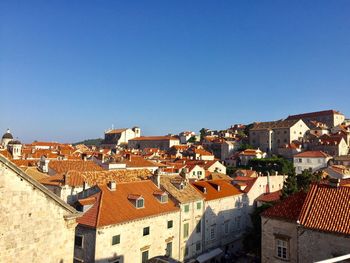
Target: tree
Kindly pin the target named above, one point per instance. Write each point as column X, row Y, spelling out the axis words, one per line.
column 290, row 185
column 202, row 133
column 245, row 146
column 301, row 182
column 271, row 165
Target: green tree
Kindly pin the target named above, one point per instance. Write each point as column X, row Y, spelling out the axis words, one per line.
column 271, row 165
column 290, row 185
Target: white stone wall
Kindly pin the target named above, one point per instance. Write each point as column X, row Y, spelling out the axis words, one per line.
column 197, row 172
column 192, row 218
column 218, row 213
column 132, row 241
column 32, row 228
column 217, row 167
column 304, row 163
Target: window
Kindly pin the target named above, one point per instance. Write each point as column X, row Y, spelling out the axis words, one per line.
column 169, row 249
column 140, row 203
column 226, row 227
column 144, row 256
column 115, row 240
column 78, row 241
column 170, row 224
column 186, row 230
column 308, row 160
column 281, row 248
column 300, row 160
column 199, row 173
column 164, row 198
column 199, row 205
column 146, row 231
column 198, row 246
column 212, row 232
column 194, row 173
column 186, row 208
column 238, row 222
column 198, row 226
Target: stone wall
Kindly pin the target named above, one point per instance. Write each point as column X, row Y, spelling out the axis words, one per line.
column 270, row 229
column 32, row 227
column 132, row 242
column 316, row 246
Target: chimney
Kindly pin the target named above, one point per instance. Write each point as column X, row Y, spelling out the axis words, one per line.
column 112, row 185
column 268, row 183
column 204, row 190
column 334, row 182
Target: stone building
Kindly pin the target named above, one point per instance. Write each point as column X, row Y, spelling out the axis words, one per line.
column 313, row 160
column 6, row 138
column 223, row 215
column 36, row 225
column 126, row 222
column 308, row 227
column 191, row 205
column 160, row 142
column 331, row 118
column 117, row 137
column 269, row 136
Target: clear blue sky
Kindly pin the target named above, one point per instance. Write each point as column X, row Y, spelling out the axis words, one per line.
column 71, row 69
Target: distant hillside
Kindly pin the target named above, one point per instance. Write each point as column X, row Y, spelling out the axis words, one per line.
column 88, row 142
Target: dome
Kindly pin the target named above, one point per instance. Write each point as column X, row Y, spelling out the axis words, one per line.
column 7, row 135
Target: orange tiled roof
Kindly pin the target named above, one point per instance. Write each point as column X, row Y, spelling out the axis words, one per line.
column 270, row 197
column 323, row 208
column 77, row 178
column 327, row 209
column 226, row 189
column 114, row 207
column 65, row 166
column 116, row 131
column 312, row 154
column 154, row 138
column 313, row 114
column 289, row 209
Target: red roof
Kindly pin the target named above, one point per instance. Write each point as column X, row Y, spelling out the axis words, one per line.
column 289, row 209
column 114, row 207
column 327, row 208
column 212, row 192
column 154, row 138
column 312, row 154
column 270, row 197
column 323, row 208
column 313, row 114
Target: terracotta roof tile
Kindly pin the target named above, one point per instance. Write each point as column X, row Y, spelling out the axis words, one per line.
column 65, row 166
column 113, row 207
column 212, row 192
column 270, row 197
column 289, row 209
column 327, row 209
column 313, row 154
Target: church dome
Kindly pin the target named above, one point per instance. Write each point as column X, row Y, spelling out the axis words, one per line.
column 7, row 135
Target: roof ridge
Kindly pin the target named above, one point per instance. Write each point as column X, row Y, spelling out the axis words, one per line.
column 99, row 206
